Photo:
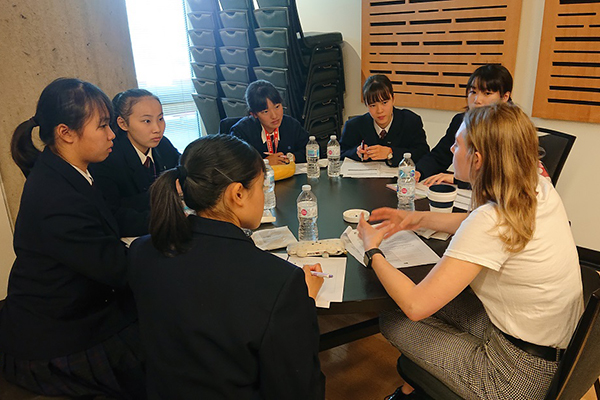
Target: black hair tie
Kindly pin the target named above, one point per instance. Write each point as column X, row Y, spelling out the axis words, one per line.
column 181, row 174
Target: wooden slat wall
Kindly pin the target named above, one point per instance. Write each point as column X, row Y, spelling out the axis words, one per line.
column 568, row 76
column 428, row 48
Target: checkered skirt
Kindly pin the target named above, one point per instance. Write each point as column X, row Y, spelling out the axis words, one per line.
column 462, row 348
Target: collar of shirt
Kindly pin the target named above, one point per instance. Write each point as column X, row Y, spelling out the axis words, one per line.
column 86, row 174
column 387, row 128
column 143, row 156
column 263, row 134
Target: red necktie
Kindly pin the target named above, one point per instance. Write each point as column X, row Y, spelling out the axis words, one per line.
column 382, row 133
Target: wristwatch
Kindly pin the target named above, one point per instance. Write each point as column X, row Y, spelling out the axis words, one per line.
column 368, row 260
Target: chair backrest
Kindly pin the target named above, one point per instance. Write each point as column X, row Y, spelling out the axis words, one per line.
column 557, row 146
column 580, row 366
column 227, row 123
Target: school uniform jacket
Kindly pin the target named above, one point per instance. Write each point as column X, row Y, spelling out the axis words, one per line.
column 440, row 157
column 225, row 320
column 67, row 287
column 292, row 136
column 406, row 134
column 124, row 182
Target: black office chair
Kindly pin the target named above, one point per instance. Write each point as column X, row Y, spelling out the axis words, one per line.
column 227, row 123
column 577, row 372
column 557, row 146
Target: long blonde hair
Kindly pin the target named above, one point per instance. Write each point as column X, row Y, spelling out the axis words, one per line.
column 508, row 143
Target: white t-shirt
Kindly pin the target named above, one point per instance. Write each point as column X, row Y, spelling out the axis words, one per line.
column 536, row 294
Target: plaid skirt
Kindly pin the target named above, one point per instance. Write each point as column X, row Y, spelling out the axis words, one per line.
column 113, row 368
column 462, row 348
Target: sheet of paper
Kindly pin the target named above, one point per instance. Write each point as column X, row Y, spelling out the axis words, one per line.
column 463, row 199
column 275, row 238
column 403, row 249
column 372, row 169
column 300, row 169
column 333, row 288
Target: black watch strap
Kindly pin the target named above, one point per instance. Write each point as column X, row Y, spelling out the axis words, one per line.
column 369, row 256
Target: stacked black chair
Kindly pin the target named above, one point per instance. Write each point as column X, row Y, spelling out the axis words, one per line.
column 309, row 65
column 237, row 52
column 204, row 47
column 233, row 44
column 222, row 39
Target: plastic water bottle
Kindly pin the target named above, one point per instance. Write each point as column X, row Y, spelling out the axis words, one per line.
column 333, row 157
column 406, row 184
column 269, row 187
column 307, row 215
column 312, row 158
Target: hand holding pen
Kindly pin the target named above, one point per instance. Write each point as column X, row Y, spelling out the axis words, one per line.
column 313, row 282
column 362, row 151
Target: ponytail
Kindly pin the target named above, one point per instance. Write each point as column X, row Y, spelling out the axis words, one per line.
column 67, row 101
column 23, row 151
column 170, row 229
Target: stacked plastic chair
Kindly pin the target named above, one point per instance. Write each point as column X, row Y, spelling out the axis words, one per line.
column 222, row 39
column 233, row 44
column 308, row 68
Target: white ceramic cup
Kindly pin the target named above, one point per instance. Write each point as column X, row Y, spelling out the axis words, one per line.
column 441, row 198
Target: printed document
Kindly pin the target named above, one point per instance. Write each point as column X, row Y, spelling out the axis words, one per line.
column 403, row 249
column 371, row 169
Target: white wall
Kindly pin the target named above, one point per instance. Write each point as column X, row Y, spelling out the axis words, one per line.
column 579, row 184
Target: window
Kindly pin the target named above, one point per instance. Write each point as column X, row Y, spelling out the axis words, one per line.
column 162, row 63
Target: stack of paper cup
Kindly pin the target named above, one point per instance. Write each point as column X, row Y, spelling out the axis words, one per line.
column 441, row 198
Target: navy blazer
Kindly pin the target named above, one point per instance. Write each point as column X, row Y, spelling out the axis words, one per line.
column 125, row 182
column 292, row 136
column 67, row 287
column 440, row 157
column 225, row 320
column 405, row 135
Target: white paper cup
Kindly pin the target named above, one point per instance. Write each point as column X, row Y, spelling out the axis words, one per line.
column 441, row 198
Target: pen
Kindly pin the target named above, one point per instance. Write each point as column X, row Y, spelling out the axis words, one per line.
column 362, row 147
column 321, row 274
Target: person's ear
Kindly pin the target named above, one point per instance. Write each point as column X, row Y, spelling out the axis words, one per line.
column 477, row 160
column 235, row 194
column 122, row 123
column 65, row 134
column 506, row 96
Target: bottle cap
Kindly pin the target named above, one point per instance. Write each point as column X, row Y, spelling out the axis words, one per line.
column 407, row 155
column 311, row 138
column 332, row 137
column 306, row 188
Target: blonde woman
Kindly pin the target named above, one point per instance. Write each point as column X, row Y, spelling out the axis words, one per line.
column 501, row 338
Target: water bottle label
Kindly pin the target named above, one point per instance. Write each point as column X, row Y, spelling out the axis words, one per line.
column 404, row 190
column 407, row 171
column 307, row 209
column 312, row 152
column 333, row 151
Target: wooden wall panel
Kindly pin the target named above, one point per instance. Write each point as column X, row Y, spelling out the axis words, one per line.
column 568, row 76
column 428, row 48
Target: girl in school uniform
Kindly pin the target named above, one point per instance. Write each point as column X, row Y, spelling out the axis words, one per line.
column 385, row 133
column 503, row 337
column 220, row 318
column 488, row 84
column 141, row 152
column 268, row 129
column 68, row 325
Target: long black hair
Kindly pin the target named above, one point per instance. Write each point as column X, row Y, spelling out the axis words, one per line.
column 66, row 101
column 123, row 104
column 208, row 166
